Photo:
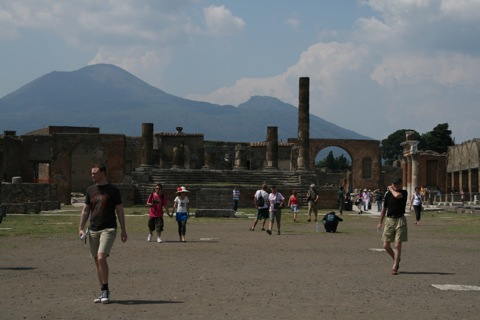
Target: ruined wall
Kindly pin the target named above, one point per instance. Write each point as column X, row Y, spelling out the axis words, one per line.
column 73, row 157
column 192, row 149
column 28, row 197
column 14, row 160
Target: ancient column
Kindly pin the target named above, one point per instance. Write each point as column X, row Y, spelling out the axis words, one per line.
column 272, row 148
column 240, row 162
column 178, row 157
column 147, row 144
column 209, row 160
column 303, row 123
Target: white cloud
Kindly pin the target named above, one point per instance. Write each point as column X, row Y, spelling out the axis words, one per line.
column 220, row 21
column 325, row 63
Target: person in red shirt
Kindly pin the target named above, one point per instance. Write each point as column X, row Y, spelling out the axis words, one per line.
column 293, row 204
column 157, row 202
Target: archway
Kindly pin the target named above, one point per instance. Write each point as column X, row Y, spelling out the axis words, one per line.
column 365, row 155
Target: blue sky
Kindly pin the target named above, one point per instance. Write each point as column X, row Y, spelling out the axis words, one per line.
column 375, row 66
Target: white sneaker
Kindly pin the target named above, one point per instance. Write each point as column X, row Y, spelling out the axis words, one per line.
column 149, row 238
column 159, row 240
column 105, row 296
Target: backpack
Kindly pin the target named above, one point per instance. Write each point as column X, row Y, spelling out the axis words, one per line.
column 260, row 200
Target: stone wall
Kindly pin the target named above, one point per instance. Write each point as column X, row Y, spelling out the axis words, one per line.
column 28, row 197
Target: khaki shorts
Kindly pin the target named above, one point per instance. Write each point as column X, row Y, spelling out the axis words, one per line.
column 101, row 241
column 276, row 214
column 312, row 207
column 395, row 230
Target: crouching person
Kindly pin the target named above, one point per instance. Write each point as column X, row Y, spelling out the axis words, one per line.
column 330, row 222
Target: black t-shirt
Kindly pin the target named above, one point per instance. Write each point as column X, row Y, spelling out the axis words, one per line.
column 395, row 207
column 102, row 201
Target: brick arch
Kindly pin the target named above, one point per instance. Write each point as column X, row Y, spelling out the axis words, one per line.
column 359, row 151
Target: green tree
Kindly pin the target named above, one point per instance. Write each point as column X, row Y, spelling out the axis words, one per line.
column 439, row 139
column 391, row 148
column 334, row 163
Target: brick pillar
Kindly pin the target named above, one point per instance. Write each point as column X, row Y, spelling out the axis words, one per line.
column 272, row 148
column 147, row 144
column 303, row 123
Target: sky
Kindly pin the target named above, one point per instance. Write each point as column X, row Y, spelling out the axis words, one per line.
column 375, row 66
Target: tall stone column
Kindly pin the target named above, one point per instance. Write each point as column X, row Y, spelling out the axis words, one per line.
column 147, row 144
column 209, row 160
column 303, row 123
column 272, row 148
column 240, row 162
column 178, row 157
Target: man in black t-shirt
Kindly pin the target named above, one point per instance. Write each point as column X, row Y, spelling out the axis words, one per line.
column 103, row 204
column 395, row 229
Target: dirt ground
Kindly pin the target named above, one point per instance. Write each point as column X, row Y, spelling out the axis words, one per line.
column 225, row 271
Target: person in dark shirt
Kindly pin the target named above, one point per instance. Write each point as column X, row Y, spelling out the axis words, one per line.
column 330, row 222
column 395, row 229
column 103, row 204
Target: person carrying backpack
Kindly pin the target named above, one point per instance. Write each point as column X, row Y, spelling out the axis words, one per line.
column 260, row 201
column 330, row 222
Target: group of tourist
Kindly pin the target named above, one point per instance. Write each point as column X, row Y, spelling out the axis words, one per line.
column 269, row 206
column 103, row 206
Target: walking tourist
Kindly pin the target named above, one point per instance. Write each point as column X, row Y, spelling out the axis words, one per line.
column 312, row 199
column 236, row 198
column 276, row 201
column 260, row 201
column 416, row 202
column 395, row 229
column 181, row 209
column 157, row 201
column 293, row 204
column 103, row 205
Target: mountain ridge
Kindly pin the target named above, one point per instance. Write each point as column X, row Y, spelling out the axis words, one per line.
column 116, row 101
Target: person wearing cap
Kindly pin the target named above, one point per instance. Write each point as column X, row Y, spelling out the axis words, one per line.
column 395, row 228
column 181, row 207
column 276, row 201
column 312, row 199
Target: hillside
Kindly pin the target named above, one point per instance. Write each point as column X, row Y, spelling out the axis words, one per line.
column 114, row 100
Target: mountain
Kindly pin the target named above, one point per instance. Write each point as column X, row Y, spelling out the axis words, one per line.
column 115, row 101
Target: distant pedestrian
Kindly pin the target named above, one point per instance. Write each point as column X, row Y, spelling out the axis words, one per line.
column 260, row 201
column 181, row 207
column 378, row 194
column 312, row 199
column 366, row 199
column 341, row 200
column 416, row 203
column 158, row 203
column 293, row 204
column 359, row 202
column 276, row 201
column 236, row 198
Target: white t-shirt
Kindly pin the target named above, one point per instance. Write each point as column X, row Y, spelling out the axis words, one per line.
column 264, row 194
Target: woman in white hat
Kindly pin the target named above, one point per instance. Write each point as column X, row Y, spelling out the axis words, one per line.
column 181, row 207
